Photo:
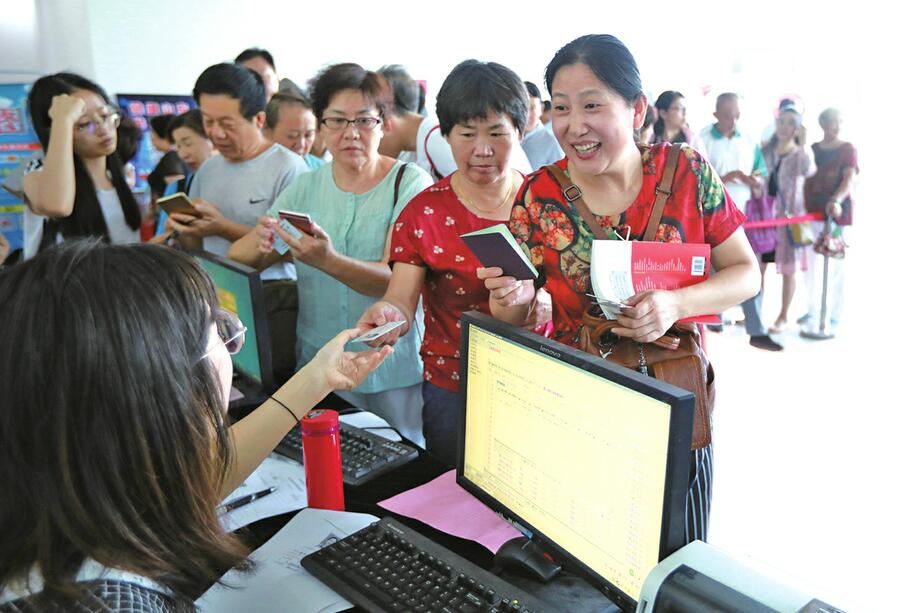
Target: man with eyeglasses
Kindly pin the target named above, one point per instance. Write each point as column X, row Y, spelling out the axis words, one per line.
column 234, row 189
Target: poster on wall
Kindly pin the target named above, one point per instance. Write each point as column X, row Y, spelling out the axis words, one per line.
column 140, row 108
column 18, row 146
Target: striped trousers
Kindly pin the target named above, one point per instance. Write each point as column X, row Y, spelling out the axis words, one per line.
column 699, row 495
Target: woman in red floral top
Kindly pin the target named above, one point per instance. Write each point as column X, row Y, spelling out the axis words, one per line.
column 482, row 109
column 597, row 104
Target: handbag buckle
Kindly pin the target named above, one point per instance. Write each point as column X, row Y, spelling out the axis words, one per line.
column 572, row 192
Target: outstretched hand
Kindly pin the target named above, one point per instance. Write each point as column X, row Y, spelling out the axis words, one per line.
column 344, row 370
column 381, row 313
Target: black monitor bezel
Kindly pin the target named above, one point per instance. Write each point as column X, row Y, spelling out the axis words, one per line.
column 258, row 304
column 678, row 460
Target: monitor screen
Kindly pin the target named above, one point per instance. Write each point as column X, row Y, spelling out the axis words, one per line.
column 589, row 456
column 236, row 286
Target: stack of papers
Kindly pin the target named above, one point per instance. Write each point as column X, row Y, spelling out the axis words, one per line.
column 279, row 583
column 287, row 476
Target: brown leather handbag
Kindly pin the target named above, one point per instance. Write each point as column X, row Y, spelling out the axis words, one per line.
column 677, row 357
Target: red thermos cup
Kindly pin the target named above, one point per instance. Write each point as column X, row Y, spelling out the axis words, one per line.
column 321, row 448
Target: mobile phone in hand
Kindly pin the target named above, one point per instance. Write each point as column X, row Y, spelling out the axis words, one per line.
column 178, row 203
column 302, row 221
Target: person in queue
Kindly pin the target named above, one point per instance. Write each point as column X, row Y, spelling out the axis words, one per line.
column 136, row 449
column 342, row 260
column 261, row 62
column 79, row 189
column 789, row 163
column 597, row 104
column 291, row 123
column 482, row 109
column 671, row 125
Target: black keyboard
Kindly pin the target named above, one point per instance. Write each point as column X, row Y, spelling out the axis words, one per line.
column 364, row 456
column 389, row 567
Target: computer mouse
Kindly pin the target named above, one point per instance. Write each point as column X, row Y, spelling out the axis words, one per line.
column 522, row 553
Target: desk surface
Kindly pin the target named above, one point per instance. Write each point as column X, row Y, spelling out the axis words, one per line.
column 567, row 591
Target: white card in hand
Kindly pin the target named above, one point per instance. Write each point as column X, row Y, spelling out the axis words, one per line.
column 376, row 332
column 280, row 245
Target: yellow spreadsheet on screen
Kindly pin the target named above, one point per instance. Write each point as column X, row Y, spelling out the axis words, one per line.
column 581, row 459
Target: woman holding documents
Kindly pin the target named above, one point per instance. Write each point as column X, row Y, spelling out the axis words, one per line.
column 597, row 104
column 341, row 258
column 116, row 447
column 482, row 109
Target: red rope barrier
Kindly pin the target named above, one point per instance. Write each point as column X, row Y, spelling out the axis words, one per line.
column 783, row 221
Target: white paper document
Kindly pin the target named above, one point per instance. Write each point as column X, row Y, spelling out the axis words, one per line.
column 376, row 425
column 611, row 274
column 289, row 479
column 279, row 583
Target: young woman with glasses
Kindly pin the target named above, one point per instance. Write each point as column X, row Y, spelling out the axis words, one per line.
column 342, row 262
column 671, row 125
column 79, row 188
column 116, row 444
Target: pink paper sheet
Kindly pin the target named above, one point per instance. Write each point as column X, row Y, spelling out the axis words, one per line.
column 444, row 505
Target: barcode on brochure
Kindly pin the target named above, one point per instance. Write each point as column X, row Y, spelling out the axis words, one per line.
column 698, row 267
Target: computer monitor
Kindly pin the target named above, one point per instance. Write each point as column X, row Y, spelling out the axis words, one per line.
column 589, row 457
column 240, row 291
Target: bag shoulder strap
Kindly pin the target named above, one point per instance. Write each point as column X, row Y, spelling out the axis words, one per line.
column 663, row 191
column 398, row 184
column 572, row 194
column 433, row 169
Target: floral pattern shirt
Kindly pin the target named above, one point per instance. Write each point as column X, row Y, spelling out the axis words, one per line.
column 558, row 241
column 426, row 234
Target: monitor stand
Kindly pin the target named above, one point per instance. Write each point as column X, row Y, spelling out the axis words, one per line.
column 523, row 554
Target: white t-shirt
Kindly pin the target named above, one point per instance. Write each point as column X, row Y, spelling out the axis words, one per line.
column 430, row 141
column 119, row 231
column 727, row 154
column 542, row 148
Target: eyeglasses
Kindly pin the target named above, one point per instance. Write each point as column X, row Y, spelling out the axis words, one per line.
column 92, row 124
column 362, row 123
column 230, row 331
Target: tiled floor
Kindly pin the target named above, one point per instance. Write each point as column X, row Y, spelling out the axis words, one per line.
column 817, row 459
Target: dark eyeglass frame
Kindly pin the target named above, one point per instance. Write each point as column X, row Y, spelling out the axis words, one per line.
column 338, row 124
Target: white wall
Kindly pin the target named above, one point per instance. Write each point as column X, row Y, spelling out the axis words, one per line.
column 161, row 47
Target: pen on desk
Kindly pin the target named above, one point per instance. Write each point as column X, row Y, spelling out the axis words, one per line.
column 239, row 502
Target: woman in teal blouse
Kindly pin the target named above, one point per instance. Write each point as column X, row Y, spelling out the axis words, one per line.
column 342, row 263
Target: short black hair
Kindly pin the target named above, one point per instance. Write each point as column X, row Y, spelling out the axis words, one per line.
column 127, row 139
column 275, row 104
column 237, row 82
column 607, row 57
column 340, row 77
column 249, row 54
column 532, row 90
column 191, row 119
column 404, row 90
column 475, row 88
column 546, row 106
column 160, row 124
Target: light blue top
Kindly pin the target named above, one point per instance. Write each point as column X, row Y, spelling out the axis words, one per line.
column 314, row 162
column 358, row 225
